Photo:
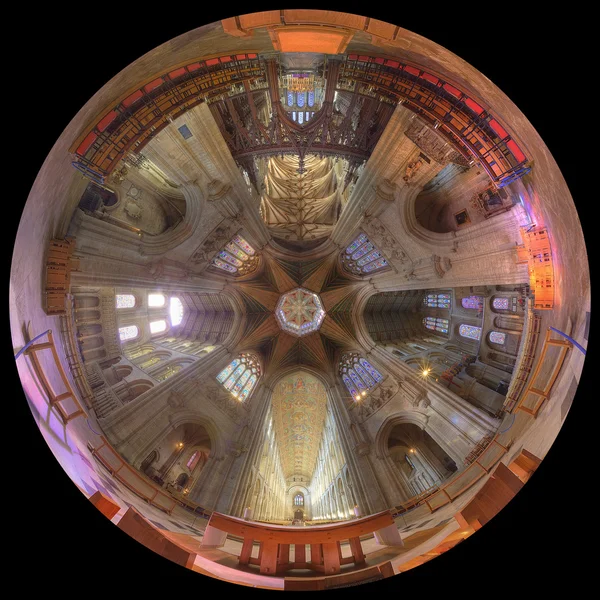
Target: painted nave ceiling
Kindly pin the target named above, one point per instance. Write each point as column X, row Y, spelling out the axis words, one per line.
column 302, row 274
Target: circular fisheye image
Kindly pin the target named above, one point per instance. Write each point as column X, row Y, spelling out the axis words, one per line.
column 299, row 300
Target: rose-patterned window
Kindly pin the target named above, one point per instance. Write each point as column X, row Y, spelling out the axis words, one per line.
column 362, row 256
column 358, row 374
column 240, row 376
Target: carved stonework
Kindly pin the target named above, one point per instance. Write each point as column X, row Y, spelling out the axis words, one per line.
column 414, row 393
column 222, row 399
column 425, row 268
column 386, row 242
column 133, row 209
column 222, row 233
column 380, row 396
column 433, row 144
column 175, row 400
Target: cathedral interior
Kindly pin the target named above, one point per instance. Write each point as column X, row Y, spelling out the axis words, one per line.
column 290, row 302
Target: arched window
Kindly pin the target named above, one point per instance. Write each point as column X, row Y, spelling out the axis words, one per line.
column 158, row 326
column 129, row 332
column 497, row 337
column 437, row 300
column 290, row 98
column 359, row 375
column 240, row 376
column 237, row 257
column 299, row 500
column 311, row 98
column 125, row 300
column 501, row 303
column 301, row 98
column 168, row 372
column 436, row 324
column 193, row 461
column 362, row 256
column 175, row 311
column 470, row 331
column 294, row 115
column 300, row 117
column 156, row 300
column 472, row 302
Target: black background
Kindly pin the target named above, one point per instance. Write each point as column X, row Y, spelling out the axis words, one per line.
column 60, row 540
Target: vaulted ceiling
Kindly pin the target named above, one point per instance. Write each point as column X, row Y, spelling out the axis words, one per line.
column 299, row 406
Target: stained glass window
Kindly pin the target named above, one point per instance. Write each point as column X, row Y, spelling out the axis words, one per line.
column 500, row 303
column 473, row 302
column 437, row 300
column 470, row 331
column 125, row 300
column 158, row 326
column 128, row 333
column 378, row 264
column 175, row 311
column 294, row 115
column 497, row 337
column 290, row 98
column 363, row 250
column 232, row 260
column 362, row 256
column 298, row 500
column 300, row 118
column 436, row 324
column 311, row 98
column 359, row 376
column 359, row 241
column 194, row 458
column 240, row 376
column 300, row 101
column 369, row 258
column 235, row 256
column 156, row 300
column 377, row 376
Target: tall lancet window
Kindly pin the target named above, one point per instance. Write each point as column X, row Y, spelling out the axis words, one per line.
column 240, row 376
column 436, row 324
column 470, row 331
column 125, row 300
column 358, row 374
column 238, row 257
column 437, row 300
column 362, row 256
column 175, row 311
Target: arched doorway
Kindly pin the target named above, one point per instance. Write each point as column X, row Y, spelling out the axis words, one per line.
column 420, row 462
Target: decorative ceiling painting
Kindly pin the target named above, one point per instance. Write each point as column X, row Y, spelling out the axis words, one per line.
column 299, row 407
